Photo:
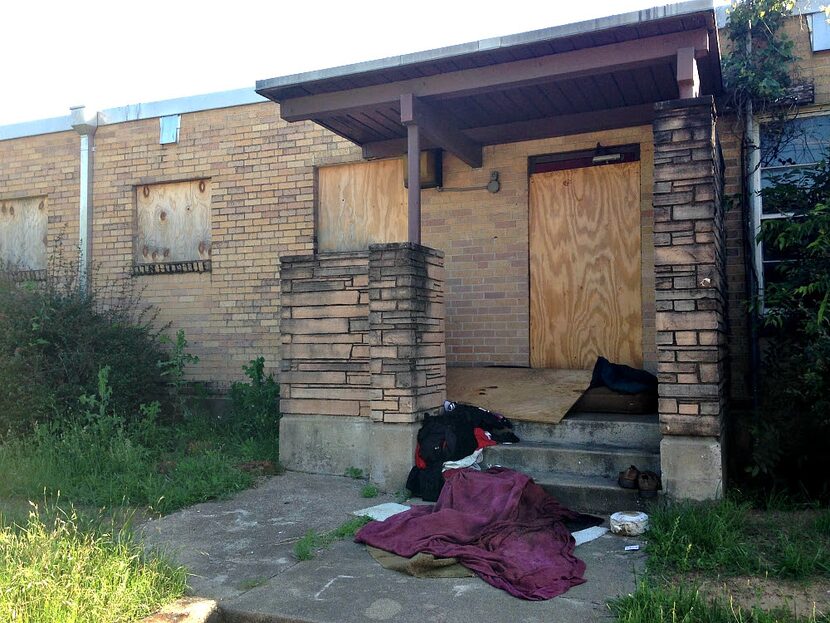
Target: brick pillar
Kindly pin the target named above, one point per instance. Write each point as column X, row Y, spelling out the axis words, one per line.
column 407, row 356
column 691, row 316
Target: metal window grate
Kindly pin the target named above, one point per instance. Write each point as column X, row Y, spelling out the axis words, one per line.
column 172, row 268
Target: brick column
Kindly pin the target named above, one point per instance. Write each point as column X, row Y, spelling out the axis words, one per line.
column 407, row 356
column 690, row 296
column 324, row 359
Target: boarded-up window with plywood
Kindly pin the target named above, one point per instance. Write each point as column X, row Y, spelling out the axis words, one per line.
column 361, row 204
column 23, row 233
column 173, row 222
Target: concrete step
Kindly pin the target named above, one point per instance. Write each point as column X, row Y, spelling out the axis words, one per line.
column 590, row 460
column 592, row 494
column 604, row 429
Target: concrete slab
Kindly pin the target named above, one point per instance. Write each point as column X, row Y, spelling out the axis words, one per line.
column 240, row 551
column 230, row 545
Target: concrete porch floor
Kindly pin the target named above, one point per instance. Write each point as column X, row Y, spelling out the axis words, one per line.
column 240, row 553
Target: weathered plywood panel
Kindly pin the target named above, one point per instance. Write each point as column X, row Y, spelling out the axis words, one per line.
column 361, row 204
column 585, row 290
column 527, row 394
column 23, row 233
column 173, row 222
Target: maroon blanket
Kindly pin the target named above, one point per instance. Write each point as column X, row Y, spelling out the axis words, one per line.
column 499, row 523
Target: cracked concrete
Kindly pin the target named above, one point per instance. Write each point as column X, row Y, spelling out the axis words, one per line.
column 240, row 552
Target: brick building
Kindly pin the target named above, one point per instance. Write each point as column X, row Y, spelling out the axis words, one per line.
column 288, row 231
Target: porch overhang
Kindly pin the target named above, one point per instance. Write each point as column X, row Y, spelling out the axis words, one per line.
column 600, row 74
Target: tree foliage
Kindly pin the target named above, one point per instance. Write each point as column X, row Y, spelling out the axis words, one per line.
column 761, row 63
column 793, row 426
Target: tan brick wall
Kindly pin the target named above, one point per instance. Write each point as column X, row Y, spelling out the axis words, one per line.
column 812, row 67
column 261, row 172
column 45, row 165
column 324, row 367
column 690, row 266
column 262, row 175
column 363, row 333
column 485, row 240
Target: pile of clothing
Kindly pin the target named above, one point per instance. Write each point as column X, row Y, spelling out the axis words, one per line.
column 454, row 439
column 497, row 522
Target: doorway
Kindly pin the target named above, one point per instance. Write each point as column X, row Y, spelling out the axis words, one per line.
column 585, row 264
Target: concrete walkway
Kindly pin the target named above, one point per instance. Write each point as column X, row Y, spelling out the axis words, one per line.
column 240, row 553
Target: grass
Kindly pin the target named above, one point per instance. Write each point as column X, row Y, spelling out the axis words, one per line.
column 369, row 491
column 305, row 548
column 81, row 565
column 105, row 463
column 684, row 604
column 729, row 538
column 252, row 583
column 53, row 568
column 354, row 472
column 695, row 547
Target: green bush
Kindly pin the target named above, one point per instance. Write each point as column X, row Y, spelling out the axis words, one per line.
column 56, row 335
column 256, row 405
column 791, row 431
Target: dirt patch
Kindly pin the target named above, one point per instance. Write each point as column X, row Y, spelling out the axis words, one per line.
column 801, row 598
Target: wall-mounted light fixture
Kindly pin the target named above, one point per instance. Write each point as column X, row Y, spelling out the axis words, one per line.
column 604, row 155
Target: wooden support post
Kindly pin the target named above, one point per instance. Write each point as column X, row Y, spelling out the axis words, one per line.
column 688, row 79
column 413, row 153
column 413, row 158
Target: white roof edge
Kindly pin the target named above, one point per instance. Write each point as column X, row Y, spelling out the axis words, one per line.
column 33, row 128
column 134, row 112
column 534, row 36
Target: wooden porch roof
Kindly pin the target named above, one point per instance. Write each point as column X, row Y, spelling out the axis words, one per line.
column 593, row 75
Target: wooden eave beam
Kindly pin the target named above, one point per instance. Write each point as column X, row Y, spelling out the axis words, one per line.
column 548, row 127
column 688, row 78
column 607, row 58
column 439, row 130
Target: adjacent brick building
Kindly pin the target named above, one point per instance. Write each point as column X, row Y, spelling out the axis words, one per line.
column 364, row 336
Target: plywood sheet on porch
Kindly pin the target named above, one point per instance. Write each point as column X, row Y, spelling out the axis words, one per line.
column 527, row 394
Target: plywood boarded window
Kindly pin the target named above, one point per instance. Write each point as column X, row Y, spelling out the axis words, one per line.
column 173, row 222
column 23, row 233
column 361, row 204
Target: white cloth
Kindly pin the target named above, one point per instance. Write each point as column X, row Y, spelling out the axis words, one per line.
column 468, row 461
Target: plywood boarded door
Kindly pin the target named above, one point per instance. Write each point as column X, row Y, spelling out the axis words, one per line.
column 585, row 292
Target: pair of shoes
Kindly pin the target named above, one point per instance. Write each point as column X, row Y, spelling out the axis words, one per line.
column 628, row 479
column 647, row 482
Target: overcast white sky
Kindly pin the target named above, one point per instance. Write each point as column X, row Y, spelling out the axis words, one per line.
column 54, row 55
